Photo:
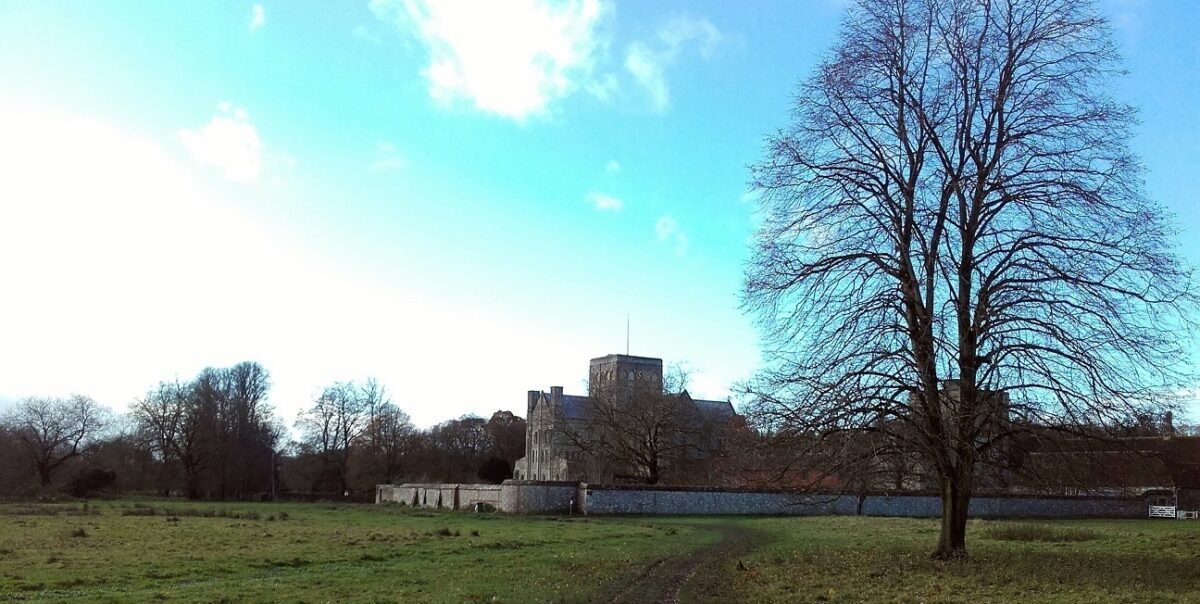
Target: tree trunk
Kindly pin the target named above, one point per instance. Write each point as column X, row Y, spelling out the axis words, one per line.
column 191, row 482
column 956, row 495
column 44, row 474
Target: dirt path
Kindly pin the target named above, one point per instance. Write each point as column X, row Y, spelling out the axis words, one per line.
column 701, row 571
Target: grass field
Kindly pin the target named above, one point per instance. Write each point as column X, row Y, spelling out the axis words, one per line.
column 885, row 560
column 150, row 551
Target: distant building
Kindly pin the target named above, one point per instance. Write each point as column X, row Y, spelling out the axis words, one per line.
column 551, row 455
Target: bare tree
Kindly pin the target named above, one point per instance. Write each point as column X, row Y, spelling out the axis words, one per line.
column 217, row 429
column 637, row 430
column 461, row 446
column 389, row 438
column 55, row 430
column 162, row 419
column 955, row 243
column 334, row 425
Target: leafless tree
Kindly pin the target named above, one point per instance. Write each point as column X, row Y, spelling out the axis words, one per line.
column 460, row 446
column 954, row 215
column 162, row 417
column 335, row 423
column 55, row 430
column 217, row 429
column 638, row 430
column 389, row 438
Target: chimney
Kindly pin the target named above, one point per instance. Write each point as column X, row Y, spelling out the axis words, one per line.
column 531, row 400
column 556, row 395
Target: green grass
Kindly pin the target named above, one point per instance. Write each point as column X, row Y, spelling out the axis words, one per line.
column 151, row 551
column 886, row 560
column 1047, row 533
column 204, row 552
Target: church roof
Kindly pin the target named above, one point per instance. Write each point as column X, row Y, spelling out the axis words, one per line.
column 714, row 410
column 575, row 407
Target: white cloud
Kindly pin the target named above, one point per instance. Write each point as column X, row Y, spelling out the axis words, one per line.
column 387, row 158
column 229, row 143
column 668, row 231
column 681, row 31
column 646, row 66
column 603, row 87
column 508, row 58
column 603, row 202
column 258, row 17
column 648, row 62
column 612, row 166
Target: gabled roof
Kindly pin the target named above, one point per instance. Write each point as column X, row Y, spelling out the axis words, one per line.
column 578, row 407
column 575, row 407
column 714, row 410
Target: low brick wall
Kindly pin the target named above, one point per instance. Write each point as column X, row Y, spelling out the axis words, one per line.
column 534, row 497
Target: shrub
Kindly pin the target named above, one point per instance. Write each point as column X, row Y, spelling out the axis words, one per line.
column 89, row 480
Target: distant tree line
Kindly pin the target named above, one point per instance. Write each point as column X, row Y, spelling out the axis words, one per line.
column 216, row 437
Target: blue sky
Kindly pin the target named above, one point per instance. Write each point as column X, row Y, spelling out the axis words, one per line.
column 463, row 201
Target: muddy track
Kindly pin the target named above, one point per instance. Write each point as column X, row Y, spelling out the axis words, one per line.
column 700, row 571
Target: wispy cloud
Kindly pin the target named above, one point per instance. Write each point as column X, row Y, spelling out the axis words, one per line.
column 258, row 17
column 605, row 203
column 668, row 231
column 509, row 58
column 228, row 142
column 387, row 158
column 362, row 33
column 612, row 167
column 647, row 62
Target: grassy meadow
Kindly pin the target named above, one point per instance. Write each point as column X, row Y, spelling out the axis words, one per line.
column 847, row 559
column 203, row 552
column 152, row 551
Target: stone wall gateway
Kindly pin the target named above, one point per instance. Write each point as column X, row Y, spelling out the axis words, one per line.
column 536, row 497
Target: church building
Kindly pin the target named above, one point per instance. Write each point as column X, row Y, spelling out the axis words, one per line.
column 552, row 417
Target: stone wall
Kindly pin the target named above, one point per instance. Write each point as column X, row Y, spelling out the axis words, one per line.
column 656, row 501
column 533, row 497
column 447, row 496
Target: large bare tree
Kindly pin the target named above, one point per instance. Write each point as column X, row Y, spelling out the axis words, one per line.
column 956, row 244
column 55, row 430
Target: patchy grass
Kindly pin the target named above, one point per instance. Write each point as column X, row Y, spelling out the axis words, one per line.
column 153, row 551
column 1045, row 533
column 851, row 559
column 183, row 552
